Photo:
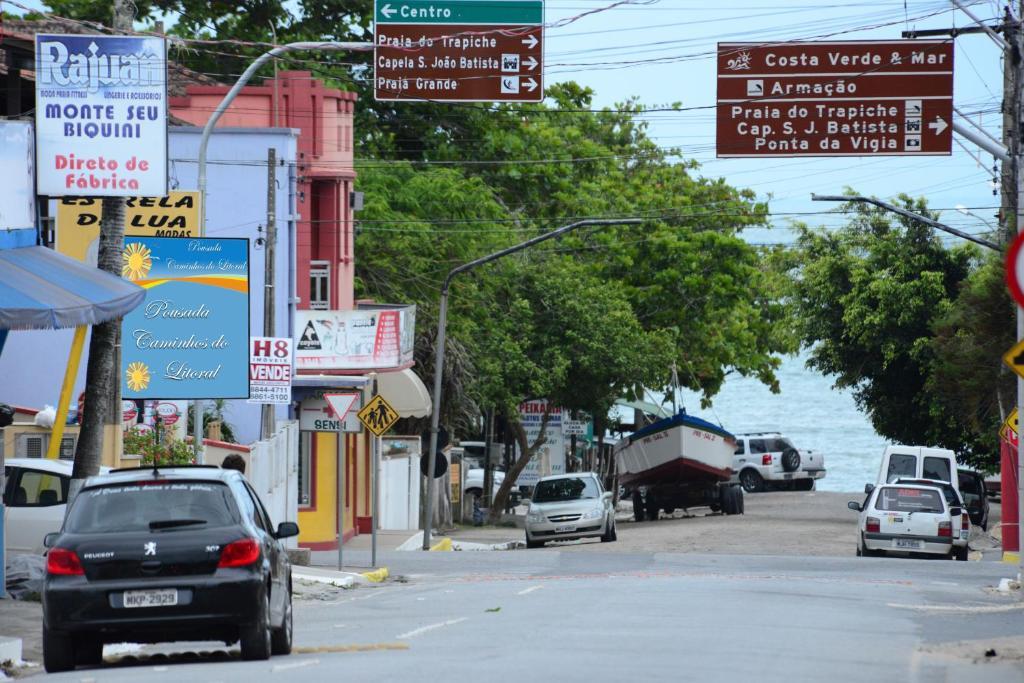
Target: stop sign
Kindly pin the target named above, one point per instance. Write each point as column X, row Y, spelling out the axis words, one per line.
column 1015, row 269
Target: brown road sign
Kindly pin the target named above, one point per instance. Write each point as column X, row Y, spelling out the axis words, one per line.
column 459, row 50
column 835, row 99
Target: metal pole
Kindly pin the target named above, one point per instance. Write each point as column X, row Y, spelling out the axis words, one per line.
column 908, row 214
column 442, row 320
column 1015, row 38
column 267, row 410
column 341, row 495
column 204, row 141
column 374, row 462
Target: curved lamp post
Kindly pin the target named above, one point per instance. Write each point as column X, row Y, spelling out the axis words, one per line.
column 439, row 346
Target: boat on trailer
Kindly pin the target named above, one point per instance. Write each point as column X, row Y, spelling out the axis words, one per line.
column 679, row 461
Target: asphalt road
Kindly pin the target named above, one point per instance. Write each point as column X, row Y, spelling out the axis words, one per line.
column 561, row 614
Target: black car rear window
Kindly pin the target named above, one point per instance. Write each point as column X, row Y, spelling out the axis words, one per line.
column 150, row 506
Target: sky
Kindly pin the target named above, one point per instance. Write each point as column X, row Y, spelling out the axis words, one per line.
column 663, row 51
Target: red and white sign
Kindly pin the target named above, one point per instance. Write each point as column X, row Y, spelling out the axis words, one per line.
column 380, row 337
column 270, row 370
column 1015, row 269
column 858, row 98
column 129, row 411
column 317, row 415
column 168, row 413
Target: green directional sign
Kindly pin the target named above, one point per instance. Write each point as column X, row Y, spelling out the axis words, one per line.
column 514, row 12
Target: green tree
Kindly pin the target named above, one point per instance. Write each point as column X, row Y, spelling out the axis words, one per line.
column 908, row 325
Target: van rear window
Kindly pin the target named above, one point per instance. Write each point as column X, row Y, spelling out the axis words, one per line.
column 936, row 468
column 893, row 499
column 901, row 465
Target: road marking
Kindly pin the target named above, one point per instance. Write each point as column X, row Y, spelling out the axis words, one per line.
column 159, row 668
column 960, row 609
column 529, row 590
column 423, row 629
column 294, row 665
column 359, row 647
column 945, row 583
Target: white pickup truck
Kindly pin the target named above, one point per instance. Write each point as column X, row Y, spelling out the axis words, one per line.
column 764, row 459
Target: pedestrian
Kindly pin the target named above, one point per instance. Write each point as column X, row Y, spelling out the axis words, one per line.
column 234, row 462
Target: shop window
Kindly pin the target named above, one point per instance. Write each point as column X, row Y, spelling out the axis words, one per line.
column 320, row 285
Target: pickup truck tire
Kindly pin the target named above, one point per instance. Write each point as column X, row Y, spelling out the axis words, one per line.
column 804, row 484
column 791, row 460
column 751, row 481
column 960, row 554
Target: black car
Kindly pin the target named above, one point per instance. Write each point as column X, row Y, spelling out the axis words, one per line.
column 972, row 487
column 183, row 553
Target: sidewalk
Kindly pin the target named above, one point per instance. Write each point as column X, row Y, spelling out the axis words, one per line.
column 23, row 619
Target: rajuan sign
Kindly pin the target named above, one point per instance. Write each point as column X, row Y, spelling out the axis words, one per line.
column 101, row 115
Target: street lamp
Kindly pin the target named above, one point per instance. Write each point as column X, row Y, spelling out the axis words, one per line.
column 442, row 321
column 1020, row 334
column 328, row 46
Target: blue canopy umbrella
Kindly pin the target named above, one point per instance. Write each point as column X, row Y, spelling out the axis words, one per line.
column 40, row 290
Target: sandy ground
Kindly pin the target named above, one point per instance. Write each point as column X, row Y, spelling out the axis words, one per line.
column 814, row 523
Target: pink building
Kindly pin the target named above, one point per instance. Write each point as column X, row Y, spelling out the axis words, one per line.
column 325, row 252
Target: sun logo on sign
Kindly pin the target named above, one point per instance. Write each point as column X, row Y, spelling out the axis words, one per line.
column 136, row 261
column 137, row 376
column 740, row 63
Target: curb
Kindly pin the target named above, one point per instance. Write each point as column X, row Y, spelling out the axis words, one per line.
column 377, row 575
column 443, row 545
column 10, row 649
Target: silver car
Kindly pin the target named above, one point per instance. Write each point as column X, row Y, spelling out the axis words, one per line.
column 570, row 506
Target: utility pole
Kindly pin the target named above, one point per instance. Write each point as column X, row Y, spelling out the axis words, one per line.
column 102, row 407
column 1012, row 203
column 267, row 422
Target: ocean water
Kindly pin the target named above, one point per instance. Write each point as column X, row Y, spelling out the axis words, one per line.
column 810, row 412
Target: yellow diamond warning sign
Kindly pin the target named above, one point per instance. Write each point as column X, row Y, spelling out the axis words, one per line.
column 378, row 415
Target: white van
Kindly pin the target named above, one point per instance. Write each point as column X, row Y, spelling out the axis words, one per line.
column 918, row 462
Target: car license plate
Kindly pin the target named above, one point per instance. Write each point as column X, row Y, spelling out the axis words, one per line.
column 564, row 529
column 158, row 597
column 912, row 543
column 964, row 533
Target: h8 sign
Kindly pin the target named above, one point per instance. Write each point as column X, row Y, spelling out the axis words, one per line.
column 270, row 369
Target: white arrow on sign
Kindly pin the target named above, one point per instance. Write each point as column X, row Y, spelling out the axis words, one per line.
column 528, row 41
column 531, row 84
column 530, row 63
column 387, row 11
column 340, row 403
column 938, row 125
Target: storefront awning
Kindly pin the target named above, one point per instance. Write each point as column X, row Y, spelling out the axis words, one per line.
column 405, row 392
column 41, row 289
column 330, row 381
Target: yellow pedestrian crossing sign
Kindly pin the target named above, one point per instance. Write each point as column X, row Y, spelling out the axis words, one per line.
column 1015, row 358
column 378, row 415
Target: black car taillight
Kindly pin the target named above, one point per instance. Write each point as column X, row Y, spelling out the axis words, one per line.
column 240, row 553
column 63, row 562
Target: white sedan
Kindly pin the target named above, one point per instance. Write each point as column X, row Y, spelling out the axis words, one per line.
column 570, row 506
column 907, row 518
column 35, row 495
